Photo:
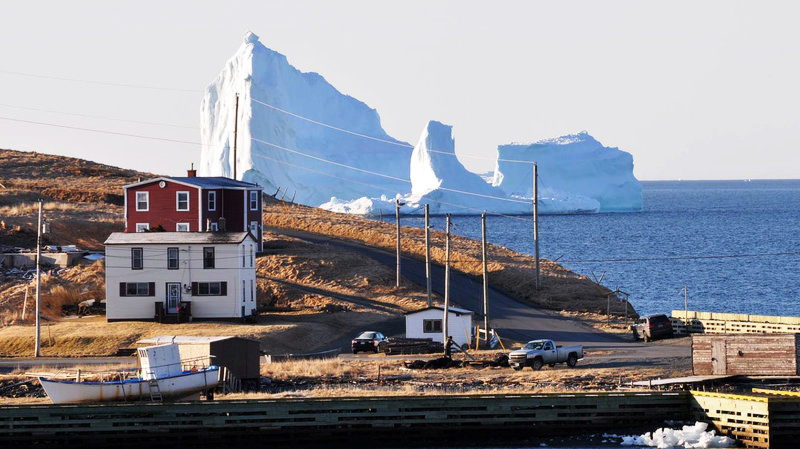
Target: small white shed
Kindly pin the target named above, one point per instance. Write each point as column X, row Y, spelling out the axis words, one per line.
column 427, row 323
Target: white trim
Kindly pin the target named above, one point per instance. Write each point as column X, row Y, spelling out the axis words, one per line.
column 178, row 201
column 200, row 209
column 147, row 199
column 208, row 201
column 245, row 207
column 177, row 225
column 125, row 207
column 146, row 226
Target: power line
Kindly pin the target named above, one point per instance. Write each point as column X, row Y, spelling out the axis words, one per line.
column 102, row 83
column 97, row 116
column 380, row 174
column 662, row 259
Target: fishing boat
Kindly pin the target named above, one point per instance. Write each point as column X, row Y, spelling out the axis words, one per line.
column 163, row 376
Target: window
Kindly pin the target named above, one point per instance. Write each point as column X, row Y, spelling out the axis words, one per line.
column 244, row 292
column 244, row 263
column 182, row 227
column 208, row 257
column 137, row 289
column 431, row 326
column 251, row 256
column 172, row 258
column 142, row 201
column 209, row 289
column 252, row 290
column 182, row 200
column 142, row 227
column 137, row 258
column 214, row 227
column 254, row 200
column 254, row 228
column 212, row 200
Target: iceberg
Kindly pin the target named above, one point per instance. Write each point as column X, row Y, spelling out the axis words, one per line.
column 301, row 138
column 290, row 132
column 576, row 169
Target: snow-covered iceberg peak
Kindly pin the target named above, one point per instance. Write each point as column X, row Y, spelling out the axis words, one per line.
column 438, row 138
column 576, row 166
column 296, row 132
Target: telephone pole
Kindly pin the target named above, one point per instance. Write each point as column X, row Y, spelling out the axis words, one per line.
column 38, row 284
column 485, row 278
column 446, row 280
column 397, row 219
column 235, row 132
column 536, row 223
column 428, row 255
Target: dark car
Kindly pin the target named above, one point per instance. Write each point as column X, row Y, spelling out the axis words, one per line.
column 652, row 327
column 369, row 341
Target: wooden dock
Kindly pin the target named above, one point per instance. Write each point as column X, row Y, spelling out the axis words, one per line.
column 376, row 420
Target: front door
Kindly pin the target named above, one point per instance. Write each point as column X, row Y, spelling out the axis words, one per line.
column 719, row 357
column 173, row 296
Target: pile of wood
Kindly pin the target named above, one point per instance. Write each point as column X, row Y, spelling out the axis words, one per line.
column 399, row 345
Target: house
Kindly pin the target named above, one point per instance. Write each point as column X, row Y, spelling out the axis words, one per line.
column 238, row 356
column 427, row 323
column 746, row 354
column 178, row 276
column 194, row 204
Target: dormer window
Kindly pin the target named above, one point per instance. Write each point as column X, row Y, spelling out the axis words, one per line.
column 182, row 201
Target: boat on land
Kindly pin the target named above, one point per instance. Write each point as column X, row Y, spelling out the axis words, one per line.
column 163, row 376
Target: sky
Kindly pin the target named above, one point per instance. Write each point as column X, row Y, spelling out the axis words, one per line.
column 693, row 90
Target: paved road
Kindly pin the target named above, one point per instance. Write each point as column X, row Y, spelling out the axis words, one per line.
column 513, row 319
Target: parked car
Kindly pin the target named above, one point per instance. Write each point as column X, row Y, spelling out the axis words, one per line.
column 369, row 341
column 537, row 353
column 652, row 327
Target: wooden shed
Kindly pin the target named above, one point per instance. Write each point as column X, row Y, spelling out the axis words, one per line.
column 734, row 354
column 240, row 356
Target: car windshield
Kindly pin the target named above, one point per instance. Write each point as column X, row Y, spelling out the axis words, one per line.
column 659, row 319
column 534, row 345
column 366, row 336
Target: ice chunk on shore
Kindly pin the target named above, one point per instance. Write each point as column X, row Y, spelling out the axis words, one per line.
column 694, row 436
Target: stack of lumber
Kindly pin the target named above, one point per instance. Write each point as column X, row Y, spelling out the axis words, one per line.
column 398, row 345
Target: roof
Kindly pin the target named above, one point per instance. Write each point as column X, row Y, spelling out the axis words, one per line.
column 203, row 182
column 181, row 339
column 144, row 238
column 455, row 310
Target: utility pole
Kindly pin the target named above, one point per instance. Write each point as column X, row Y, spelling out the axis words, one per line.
column 446, row 280
column 235, row 132
column 397, row 220
column 686, row 308
column 38, row 284
column 428, row 255
column 485, row 279
column 536, row 223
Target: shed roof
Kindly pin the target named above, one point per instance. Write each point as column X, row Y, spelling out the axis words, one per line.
column 144, row 238
column 455, row 310
column 181, row 339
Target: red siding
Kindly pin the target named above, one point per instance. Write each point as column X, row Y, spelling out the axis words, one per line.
column 163, row 207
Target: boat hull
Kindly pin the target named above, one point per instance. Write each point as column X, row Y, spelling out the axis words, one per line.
column 176, row 387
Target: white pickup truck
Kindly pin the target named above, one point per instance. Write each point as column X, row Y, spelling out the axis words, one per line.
column 538, row 353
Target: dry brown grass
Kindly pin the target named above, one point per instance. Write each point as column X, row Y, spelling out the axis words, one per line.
column 509, row 271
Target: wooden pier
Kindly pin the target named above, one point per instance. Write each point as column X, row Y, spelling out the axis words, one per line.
column 380, row 421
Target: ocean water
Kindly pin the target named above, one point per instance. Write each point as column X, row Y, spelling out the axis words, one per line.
column 735, row 245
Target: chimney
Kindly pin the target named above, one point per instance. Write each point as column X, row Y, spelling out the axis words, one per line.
column 192, row 173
